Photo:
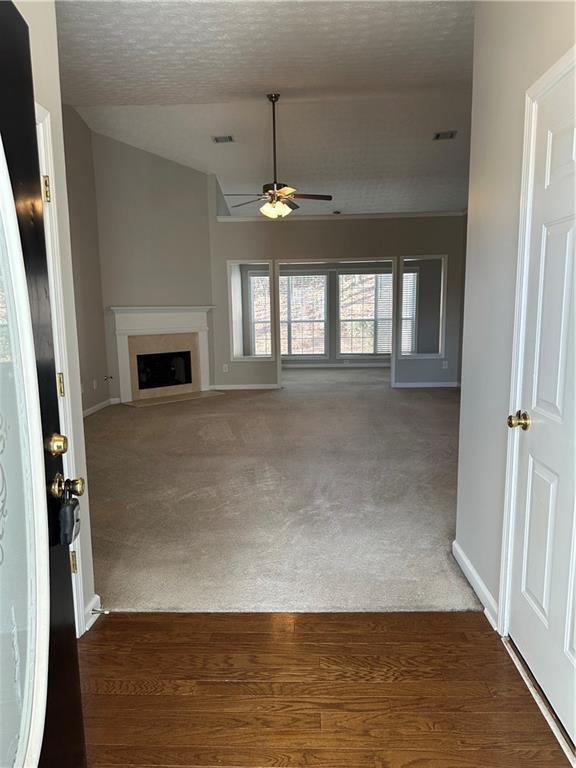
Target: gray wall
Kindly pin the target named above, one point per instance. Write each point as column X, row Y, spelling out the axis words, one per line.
column 85, row 258
column 335, row 239
column 429, row 299
column 154, row 232
column 153, row 228
column 515, row 43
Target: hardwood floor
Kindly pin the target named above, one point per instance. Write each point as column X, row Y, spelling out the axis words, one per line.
column 388, row 690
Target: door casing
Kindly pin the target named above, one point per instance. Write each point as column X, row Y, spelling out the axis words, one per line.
column 74, row 459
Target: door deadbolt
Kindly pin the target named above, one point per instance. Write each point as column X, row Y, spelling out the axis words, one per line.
column 56, row 444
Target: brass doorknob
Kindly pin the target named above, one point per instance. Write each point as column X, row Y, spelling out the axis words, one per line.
column 59, row 485
column 76, row 486
column 519, row 419
column 57, row 444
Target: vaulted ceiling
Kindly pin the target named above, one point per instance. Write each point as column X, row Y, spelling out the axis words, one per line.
column 364, row 85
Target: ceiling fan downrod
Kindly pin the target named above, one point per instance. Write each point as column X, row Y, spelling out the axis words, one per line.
column 273, row 98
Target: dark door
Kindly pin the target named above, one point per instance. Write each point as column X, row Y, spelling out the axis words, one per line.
column 63, row 744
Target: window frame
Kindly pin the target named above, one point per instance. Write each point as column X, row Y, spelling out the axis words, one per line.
column 413, row 271
column 382, row 356
column 307, row 273
column 265, row 265
column 441, row 354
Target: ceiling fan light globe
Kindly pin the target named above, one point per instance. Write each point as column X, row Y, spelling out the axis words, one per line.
column 283, row 209
column 269, row 210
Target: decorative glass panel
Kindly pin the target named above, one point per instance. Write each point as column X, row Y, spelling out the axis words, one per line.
column 23, row 535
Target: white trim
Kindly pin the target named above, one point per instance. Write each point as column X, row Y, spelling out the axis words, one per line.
column 441, row 354
column 91, row 613
column 147, row 321
column 245, row 386
column 100, row 406
column 345, row 365
column 249, row 358
column 477, row 584
column 542, row 704
column 425, row 384
column 343, row 217
column 395, row 300
column 71, row 461
column 28, row 751
column 252, row 359
column 152, row 309
column 540, row 87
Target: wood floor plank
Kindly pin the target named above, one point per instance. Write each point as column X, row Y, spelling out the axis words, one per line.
column 422, row 706
column 298, row 690
column 199, row 757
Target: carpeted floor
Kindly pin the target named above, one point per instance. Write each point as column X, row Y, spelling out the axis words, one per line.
column 334, row 493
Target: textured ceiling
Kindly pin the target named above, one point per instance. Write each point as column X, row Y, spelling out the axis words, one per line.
column 193, row 52
column 364, row 85
column 373, row 155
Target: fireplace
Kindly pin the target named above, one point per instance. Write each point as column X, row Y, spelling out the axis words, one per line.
column 164, row 369
column 163, row 364
column 162, row 351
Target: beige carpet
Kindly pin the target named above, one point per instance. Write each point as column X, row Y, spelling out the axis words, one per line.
column 335, row 493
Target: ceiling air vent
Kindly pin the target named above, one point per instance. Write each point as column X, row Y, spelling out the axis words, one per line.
column 223, row 139
column 444, row 135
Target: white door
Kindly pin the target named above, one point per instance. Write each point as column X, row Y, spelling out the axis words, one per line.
column 542, row 598
column 24, row 576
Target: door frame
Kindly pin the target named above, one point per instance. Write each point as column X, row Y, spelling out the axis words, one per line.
column 84, row 616
column 533, row 94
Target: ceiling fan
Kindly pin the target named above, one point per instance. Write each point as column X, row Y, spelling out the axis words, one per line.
column 278, row 197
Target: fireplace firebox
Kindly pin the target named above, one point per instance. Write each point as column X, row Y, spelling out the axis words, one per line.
column 164, row 369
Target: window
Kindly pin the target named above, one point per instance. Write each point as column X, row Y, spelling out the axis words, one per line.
column 260, row 323
column 365, row 313
column 250, row 310
column 409, row 304
column 303, row 314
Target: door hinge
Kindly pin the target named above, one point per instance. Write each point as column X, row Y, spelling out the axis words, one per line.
column 73, row 562
column 60, row 384
column 46, row 189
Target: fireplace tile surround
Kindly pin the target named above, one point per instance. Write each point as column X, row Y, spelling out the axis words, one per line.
column 160, row 329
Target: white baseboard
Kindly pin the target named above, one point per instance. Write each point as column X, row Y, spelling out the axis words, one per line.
column 347, row 366
column 477, row 584
column 89, row 617
column 246, row 386
column 425, row 384
column 100, row 406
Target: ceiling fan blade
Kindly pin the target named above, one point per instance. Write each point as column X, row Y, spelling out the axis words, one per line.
column 239, row 205
column 302, row 196
column 286, row 191
column 291, row 204
column 240, row 194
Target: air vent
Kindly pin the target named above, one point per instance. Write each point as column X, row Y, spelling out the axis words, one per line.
column 223, row 139
column 444, row 135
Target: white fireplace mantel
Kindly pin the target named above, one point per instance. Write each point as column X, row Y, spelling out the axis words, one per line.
column 139, row 321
